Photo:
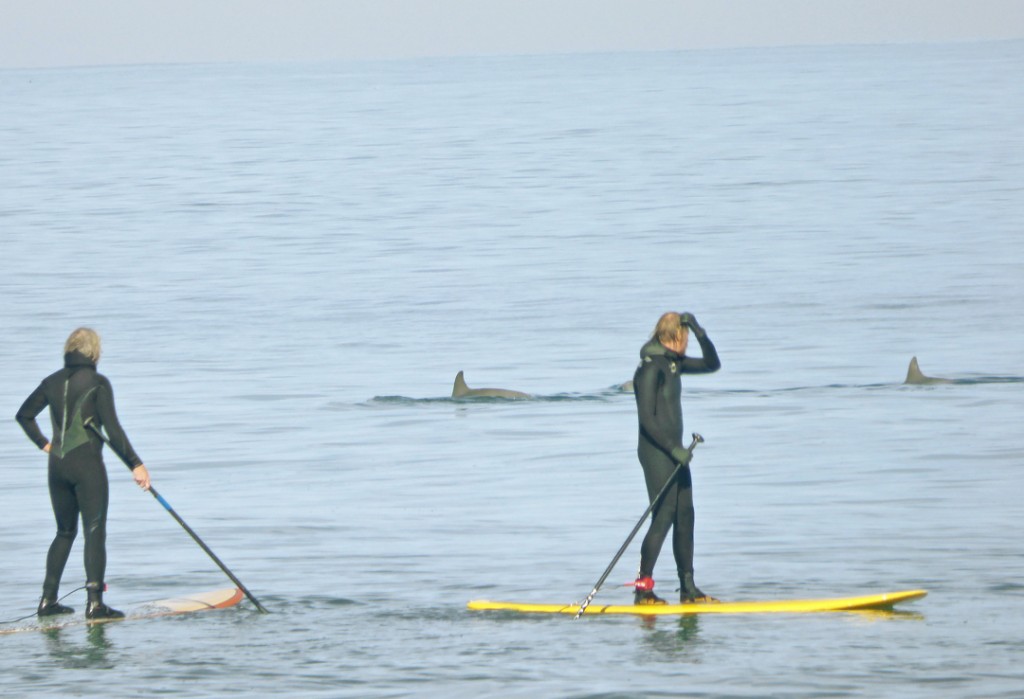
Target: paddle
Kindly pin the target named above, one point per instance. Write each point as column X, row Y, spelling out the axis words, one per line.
column 697, row 439
column 91, row 425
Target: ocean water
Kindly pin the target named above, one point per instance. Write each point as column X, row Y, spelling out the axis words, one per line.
column 289, row 263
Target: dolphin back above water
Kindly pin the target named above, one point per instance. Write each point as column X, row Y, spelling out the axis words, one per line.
column 914, row 375
column 461, row 390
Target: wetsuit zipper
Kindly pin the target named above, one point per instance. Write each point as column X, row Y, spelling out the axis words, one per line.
column 64, row 422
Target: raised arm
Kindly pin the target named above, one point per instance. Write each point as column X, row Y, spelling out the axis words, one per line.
column 708, row 362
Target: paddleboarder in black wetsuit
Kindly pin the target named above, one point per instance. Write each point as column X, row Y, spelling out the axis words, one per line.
column 657, row 388
column 77, row 394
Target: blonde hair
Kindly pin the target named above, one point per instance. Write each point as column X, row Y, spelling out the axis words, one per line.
column 669, row 330
column 86, row 341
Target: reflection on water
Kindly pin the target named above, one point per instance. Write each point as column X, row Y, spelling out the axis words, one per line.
column 886, row 614
column 67, row 651
column 675, row 638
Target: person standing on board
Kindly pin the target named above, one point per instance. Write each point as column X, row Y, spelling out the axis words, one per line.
column 657, row 389
column 76, row 395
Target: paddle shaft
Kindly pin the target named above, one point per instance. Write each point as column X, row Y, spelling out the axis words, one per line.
column 179, row 520
column 697, row 439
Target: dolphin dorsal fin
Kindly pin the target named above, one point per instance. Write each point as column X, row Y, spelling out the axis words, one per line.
column 914, row 374
column 460, row 388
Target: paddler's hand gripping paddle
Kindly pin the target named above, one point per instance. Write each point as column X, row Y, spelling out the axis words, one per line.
column 92, row 426
column 697, row 439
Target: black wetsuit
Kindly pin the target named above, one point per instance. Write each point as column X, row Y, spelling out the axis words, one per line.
column 77, row 475
column 657, row 389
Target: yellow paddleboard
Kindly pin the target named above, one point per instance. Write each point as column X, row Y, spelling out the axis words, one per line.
column 838, row 604
column 201, row 602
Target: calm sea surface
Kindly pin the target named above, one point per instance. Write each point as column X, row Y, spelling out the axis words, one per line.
column 289, row 263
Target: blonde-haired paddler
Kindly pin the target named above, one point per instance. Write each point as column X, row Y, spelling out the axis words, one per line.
column 76, row 395
column 657, row 389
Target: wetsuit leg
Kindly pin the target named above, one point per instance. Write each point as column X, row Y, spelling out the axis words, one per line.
column 682, row 534
column 658, row 467
column 93, row 493
column 65, row 511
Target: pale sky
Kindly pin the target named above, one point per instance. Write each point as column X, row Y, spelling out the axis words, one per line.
column 52, row 33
